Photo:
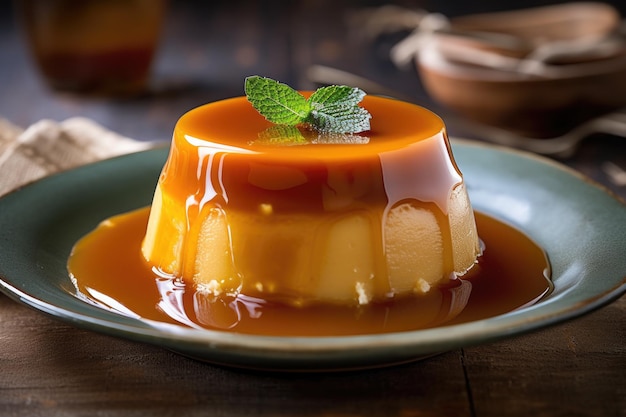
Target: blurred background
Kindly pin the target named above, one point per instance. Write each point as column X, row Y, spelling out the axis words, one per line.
column 180, row 54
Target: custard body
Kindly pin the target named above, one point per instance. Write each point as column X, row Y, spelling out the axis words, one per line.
column 329, row 222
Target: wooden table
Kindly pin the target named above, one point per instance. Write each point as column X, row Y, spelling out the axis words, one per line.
column 49, row 368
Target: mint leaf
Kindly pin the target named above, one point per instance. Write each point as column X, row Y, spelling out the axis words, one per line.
column 332, row 109
column 336, row 94
column 339, row 118
column 277, row 102
column 335, row 109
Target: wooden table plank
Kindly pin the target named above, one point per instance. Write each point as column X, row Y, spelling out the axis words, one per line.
column 49, row 368
column 574, row 369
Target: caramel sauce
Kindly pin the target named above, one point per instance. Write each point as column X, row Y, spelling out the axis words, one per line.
column 216, row 157
column 108, row 269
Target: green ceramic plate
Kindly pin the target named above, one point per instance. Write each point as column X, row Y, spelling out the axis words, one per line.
column 582, row 228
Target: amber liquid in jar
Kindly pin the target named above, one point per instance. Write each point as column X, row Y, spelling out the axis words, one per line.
column 93, row 46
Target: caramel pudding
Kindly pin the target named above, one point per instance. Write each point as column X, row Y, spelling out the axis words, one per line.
column 342, row 220
column 321, row 235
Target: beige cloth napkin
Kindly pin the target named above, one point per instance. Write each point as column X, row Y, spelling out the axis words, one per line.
column 47, row 147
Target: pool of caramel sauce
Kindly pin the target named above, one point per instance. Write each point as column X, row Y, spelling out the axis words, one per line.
column 108, row 269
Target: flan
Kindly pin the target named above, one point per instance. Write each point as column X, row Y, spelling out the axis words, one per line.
column 341, row 219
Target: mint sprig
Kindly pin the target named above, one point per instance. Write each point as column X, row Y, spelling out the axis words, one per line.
column 332, row 109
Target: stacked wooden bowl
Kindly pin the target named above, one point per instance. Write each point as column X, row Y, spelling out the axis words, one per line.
column 536, row 72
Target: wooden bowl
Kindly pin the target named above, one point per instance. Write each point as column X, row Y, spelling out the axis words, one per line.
column 546, row 101
column 529, row 105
